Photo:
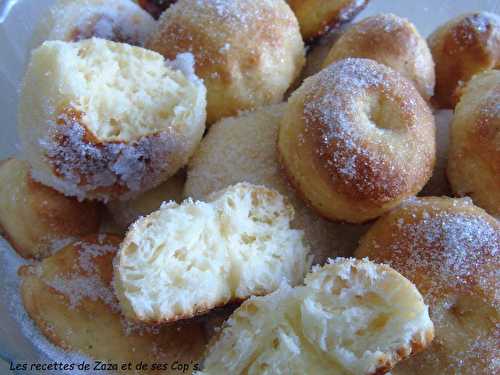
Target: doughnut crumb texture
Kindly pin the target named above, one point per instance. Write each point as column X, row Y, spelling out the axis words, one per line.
column 184, row 260
column 73, row 20
column 356, row 140
column 69, row 297
column 351, row 317
column 450, row 249
column 247, row 52
column 104, row 120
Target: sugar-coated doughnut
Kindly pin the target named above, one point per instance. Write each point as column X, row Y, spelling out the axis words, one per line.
column 125, row 213
column 474, row 157
column 184, row 260
column 316, row 17
column 36, row 219
column 243, row 148
column 463, row 47
column 74, row 20
column 70, row 298
column 357, row 139
column 351, row 317
column 450, row 249
column 104, row 120
column 392, row 41
column 247, row 52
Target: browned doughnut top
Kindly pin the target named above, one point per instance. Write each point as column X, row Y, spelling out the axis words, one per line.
column 451, row 250
column 365, row 123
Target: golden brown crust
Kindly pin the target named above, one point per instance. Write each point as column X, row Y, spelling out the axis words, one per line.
column 35, row 218
column 449, row 249
column 466, row 45
column 233, row 44
column 392, row 41
column 357, row 139
column 474, row 157
column 69, row 296
column 316, row 17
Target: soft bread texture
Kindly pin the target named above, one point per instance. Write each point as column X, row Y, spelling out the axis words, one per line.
column 37, row 220
column 392, row 41
column 316, row 17
column 351, row 317
column 73, row 20
column 125, row 213
column 450, row 249
column 247, row 52
column 70, row 299
column 463, row 47
column 243, row 149
column 474, row 157
column 104, row 120
column 356, row 140
column 184, row 260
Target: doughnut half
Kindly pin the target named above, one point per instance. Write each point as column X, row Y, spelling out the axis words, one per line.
column 73, row 20
column 356, row 140
column 36, row 219
column 184, row 260
column 104, row 120
column 474, row 156
column 351, row 317
column 392, row 41
column 247, row 52
column 463, row 47
column 70, row 298
column 450, row 249
column 316, row 17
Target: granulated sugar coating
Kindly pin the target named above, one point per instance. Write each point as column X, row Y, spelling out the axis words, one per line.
column 71, row 301
column 451, row 250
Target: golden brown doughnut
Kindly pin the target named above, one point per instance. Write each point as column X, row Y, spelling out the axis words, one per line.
column 104, row 120
column 70, row 299
column 73, row 20
column 474, row 156
column 357, row 139
column 247, row 52
column 36, row 219
column 464, row 46
column 392, row 41
column 316, row 17
column 450, row 249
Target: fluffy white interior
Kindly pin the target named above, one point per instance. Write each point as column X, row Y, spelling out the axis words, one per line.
column 348, row 317
column 188, row 258
column 125, row 92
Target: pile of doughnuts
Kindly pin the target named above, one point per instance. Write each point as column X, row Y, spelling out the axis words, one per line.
column 253, row 157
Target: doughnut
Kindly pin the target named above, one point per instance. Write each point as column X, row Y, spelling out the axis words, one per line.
column 73, row 20
column 185, row 260
column 243, row 148
column 450, row 249
column 351, row 317
column 463, row 47
column 392, row 41
column 70, row 299
column 356, row 140
column 37, row 220
column 316, row 17
column 474, row 156
column 247, row 52
column 104, row 120
column 125, row 213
